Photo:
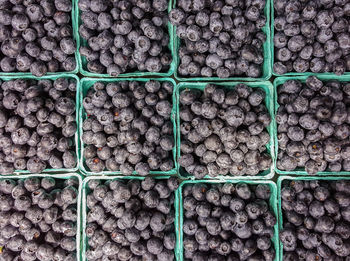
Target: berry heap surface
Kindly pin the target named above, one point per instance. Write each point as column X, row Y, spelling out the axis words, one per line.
column 220, row 38
column 37, row 125
column 36, row 36
column 38, row 219
column 131, row 219
column 311, row 36
column 313, row 125
column 228, row 222
column 316, row 220
column 128, row 127
column 125, row 36
column 223, row 131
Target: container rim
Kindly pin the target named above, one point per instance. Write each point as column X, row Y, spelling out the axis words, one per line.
column 266, row 65
column 264, row 85
column 76, row 52
column 280, row 181
column 82, row 167
column 79, row 210
column 276, row 83
column 84, row 243
column 309, row 73
column 272, row 205
column 77, row 134
column 81, row 63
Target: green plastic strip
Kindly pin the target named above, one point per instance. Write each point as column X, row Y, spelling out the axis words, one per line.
column 76, row 137
column 269, row 102
column 83, row 63
column 85, row 85
column 280, row 181
column 272, row 204
column 86, row 191
column 62, row 176
column 266, row 69
column 75, row 37
column 273, row 54
column 279, row 81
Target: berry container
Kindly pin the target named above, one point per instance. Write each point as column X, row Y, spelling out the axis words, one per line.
column 86, row 190
column 308, row 73
column 267, row 88
column 85, row 85
column 279, row 81
column 83, row 63
column 75, row 35
column 62, row 176
column 280, row 181
column 266, row 66
column 76, row 138
column 272, row 205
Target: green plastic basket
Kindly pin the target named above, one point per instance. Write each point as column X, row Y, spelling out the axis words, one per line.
column 83, row 63
column 86, row 191
column 85, row 85
column 266, row 66
column 269, row 99
column 75, row 37
column 273, row 54
column 279, row 187
column 76, row 137
column 62, row 176
column 279, row 81
column 272, row 204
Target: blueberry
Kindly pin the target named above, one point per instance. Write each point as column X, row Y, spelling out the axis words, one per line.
column 142, row 168
column 65, row 106
column 69, row 159
column 67, row 45
column 20, row 136
column 45, row 252
column 69, row 214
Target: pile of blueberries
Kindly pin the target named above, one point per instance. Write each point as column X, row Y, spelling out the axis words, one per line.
column 311, row 36
column 36, row 36
column 38, row 219
column 125, row 36
column 220, row 38
column 37, row 125
column 228, row 222
column 313, row 125
column 128, row 127
column 131, row 219
column 223, row 131
column 316, row 218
